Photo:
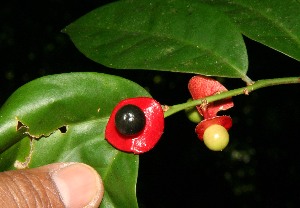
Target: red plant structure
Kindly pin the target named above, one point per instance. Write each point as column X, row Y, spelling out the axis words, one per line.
column 135, row 125
column 201, row 87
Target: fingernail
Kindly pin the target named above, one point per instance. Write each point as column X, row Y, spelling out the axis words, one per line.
column 79, row 185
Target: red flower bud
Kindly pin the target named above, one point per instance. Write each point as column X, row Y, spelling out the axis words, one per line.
column 135, row 125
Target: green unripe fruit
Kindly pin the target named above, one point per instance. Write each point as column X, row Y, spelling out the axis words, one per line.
column 216, row 137
column 192, row 114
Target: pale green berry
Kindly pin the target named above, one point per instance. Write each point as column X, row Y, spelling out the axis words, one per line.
column 216, row 137
column 192, row 114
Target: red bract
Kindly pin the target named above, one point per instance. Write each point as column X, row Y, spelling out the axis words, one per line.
column 224, row 121
column 201, row 87
column 144, row 140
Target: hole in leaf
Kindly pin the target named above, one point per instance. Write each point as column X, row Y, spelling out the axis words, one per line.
column 20, row 125
column 63, row 129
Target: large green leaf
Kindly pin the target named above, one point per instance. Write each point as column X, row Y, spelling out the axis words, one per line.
column 178, row 35
column 274, row 23
column 65, row 116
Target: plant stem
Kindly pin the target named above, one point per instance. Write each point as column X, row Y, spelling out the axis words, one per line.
column 243, row 90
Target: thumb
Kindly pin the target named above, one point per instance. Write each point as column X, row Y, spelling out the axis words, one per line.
column 55, row 185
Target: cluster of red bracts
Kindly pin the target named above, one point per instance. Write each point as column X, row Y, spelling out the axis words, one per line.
column 201, row 87
column 136, row 124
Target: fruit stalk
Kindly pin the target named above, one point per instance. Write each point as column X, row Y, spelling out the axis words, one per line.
column 243, row 90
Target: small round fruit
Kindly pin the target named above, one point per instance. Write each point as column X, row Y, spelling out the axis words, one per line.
column 143, row 135
column 130, row 120
column 193, row 114
column 216, row 137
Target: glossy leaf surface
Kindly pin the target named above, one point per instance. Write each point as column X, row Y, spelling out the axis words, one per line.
column 179, row 35
column 66, row 116
column 274, row 23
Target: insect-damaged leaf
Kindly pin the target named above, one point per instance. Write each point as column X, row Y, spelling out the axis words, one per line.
column 65, row 117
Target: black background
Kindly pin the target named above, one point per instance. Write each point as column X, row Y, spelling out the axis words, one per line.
column 259, row 168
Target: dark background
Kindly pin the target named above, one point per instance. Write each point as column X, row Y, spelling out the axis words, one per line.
column 259, row 168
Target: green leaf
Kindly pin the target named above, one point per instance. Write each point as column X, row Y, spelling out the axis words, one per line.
column 178, row 35
column 65, row 116
column 274, row 23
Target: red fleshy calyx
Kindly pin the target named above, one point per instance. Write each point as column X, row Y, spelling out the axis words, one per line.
column 201, row 87
column 224, row 121
column 147, row 138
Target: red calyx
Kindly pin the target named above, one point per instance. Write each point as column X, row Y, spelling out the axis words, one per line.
column 224, row 121
column 201, row 87
column 144, row 140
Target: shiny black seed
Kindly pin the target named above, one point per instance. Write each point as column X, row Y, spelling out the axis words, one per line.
column 130, row 120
